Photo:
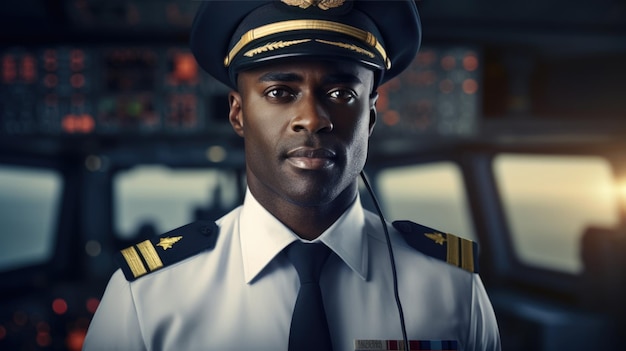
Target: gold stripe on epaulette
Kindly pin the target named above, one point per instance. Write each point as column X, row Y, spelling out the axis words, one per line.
column 150, row 255
column 134, row 262
column 467, row 255
column 453, row 249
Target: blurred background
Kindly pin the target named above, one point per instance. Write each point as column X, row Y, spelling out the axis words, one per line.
column 508, row 129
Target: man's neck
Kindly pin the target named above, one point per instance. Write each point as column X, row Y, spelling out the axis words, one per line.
column 308, row 222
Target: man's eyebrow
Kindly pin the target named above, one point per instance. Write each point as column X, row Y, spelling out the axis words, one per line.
column 280, row 77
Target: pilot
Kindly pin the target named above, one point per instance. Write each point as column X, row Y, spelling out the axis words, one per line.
column 300, row 265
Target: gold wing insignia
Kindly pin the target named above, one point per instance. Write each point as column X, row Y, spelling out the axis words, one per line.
column 322, row 4
column 329, row 4
column 436, row 237
column 166, row 243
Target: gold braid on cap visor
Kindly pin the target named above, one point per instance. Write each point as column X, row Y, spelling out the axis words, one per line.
column 293, row 25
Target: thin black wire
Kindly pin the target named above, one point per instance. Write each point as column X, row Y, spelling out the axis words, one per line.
column 391, row 259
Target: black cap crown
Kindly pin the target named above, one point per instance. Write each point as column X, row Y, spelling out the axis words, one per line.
column 230, row 36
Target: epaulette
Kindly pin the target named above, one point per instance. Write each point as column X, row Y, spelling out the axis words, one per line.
column 161, row 251
column 456, row 251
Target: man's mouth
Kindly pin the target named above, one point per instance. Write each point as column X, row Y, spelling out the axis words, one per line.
column 308, row 158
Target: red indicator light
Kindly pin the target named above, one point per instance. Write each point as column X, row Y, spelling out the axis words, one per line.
column 87, row 123
column 92, row 305
column 448, row 62
column 43, row 339
column 78, row 124
column 59, row 306
column 470, row 86
column 391, row 118
column 75, row 339
column 77, row 80
column 470, row 62
column 9, row 69
column 29, row 69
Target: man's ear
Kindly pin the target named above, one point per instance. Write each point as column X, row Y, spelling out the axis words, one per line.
column 373, row 113
column 235, row 114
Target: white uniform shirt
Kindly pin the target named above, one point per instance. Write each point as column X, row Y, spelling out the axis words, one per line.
column 241, row 294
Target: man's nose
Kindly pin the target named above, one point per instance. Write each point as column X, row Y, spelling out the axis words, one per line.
column 311, row 116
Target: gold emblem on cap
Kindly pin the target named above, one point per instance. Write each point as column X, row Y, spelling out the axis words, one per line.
column 348, row 47
column 273, row 46
column 436, row 237
column 166, row 243
column 322, row 4
column 305, row 24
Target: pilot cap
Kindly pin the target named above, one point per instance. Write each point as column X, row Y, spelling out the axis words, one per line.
column 228, row 37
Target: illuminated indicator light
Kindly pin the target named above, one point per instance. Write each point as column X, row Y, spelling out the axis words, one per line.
column 77, row 80
column 75, row 339
column 20, row 318
column 186, row 68
column 3, row 332
column 216, row 154
column 448, row 62
column 77, row 60
column 92, row 305
column 29, row 69
column 59, row 306
column 43, row 339
column 470, row 62
column 134, row 108
column 446, row 86
column 391, row 118
column 50, row 80
column 426, row 58
column 9, row 69
column 68, row 123
column 87, row 123
column 470, row 86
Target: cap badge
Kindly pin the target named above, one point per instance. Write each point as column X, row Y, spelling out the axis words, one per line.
column 168, row 242
column 322, row 4
column 436, row 237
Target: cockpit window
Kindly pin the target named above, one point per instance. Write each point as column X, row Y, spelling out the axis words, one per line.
column 159, row 199
column 550, row 201
column 429, row 194
column 29, row 201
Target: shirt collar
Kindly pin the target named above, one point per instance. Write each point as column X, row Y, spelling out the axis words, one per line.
column 263, row 237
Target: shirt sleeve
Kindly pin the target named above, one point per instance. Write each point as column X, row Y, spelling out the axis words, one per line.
column 115, row 325
column 483, row 331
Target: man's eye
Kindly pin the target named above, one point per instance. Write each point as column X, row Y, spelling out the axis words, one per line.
column 342, row 95
column 278, row 93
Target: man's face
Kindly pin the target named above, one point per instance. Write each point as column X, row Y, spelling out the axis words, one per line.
column 306, row 126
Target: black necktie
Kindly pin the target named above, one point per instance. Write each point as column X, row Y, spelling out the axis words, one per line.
column 309, row 328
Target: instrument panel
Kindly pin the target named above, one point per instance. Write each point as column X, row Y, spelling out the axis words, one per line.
column 160, row 90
